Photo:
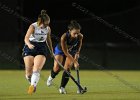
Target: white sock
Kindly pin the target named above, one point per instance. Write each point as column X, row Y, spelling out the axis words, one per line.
column 35, row 78
column 28, row 78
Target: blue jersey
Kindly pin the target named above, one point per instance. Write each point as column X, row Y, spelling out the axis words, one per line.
column 72, row 45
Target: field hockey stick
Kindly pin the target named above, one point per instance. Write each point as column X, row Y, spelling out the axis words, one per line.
column 83, row 90
column 78, row 76
column 78, row 79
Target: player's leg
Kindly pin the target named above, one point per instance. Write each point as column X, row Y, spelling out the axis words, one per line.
column 55, row 69
column 29, row 61
column 39, row 62
column 65, row 76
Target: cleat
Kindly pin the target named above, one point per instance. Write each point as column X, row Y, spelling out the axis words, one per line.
column 62, row 90
column 49, row 81
column 31, row 89
column 34, row 89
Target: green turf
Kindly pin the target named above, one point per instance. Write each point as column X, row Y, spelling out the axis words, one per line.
column 101, row 86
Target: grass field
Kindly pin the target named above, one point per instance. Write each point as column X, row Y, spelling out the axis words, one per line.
column 101, row 86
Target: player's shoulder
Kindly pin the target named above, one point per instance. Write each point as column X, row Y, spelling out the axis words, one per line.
column 34, row 24
column 81, row 35
column 48, row 27
column 63, row 37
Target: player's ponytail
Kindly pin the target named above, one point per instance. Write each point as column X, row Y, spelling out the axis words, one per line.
column 74, row 25
column 43, row 12
column 73, row 22
column 43, row 16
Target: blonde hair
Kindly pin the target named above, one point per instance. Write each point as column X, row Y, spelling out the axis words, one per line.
column 43, row 16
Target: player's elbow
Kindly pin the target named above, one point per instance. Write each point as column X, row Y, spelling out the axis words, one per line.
column 26, row 39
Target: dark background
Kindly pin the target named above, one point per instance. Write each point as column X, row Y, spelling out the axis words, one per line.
column 102, row 45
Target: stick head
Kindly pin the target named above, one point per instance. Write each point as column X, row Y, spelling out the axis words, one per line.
column 82, row 91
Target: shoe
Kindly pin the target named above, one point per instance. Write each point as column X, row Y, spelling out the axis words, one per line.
column 62, row 90
column 34, row 89
column 31, row 89
column 49, row 81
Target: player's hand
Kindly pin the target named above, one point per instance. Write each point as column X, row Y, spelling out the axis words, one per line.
column 74, row 61
column 52, row 54
column 31, row 46
column 76, row 56
column 76, row 64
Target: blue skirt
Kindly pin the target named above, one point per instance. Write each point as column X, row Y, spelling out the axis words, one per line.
column 58, row 51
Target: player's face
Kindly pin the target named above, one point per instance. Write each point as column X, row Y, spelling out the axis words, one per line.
column 74, row 33
column 46, row 23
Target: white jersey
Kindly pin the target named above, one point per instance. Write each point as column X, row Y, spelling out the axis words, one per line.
column 40, row 34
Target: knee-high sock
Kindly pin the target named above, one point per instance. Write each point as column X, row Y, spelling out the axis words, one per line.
column 65, row 79
column 53, row 74
column 35, row 78
column 28, row 78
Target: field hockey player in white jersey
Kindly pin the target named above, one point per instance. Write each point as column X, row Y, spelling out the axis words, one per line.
column 35, row 50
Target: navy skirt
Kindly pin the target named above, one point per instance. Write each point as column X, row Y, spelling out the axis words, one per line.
column 39, row 49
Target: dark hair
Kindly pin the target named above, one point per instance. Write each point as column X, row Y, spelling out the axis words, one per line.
column 43, row 16
column 74, row 25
